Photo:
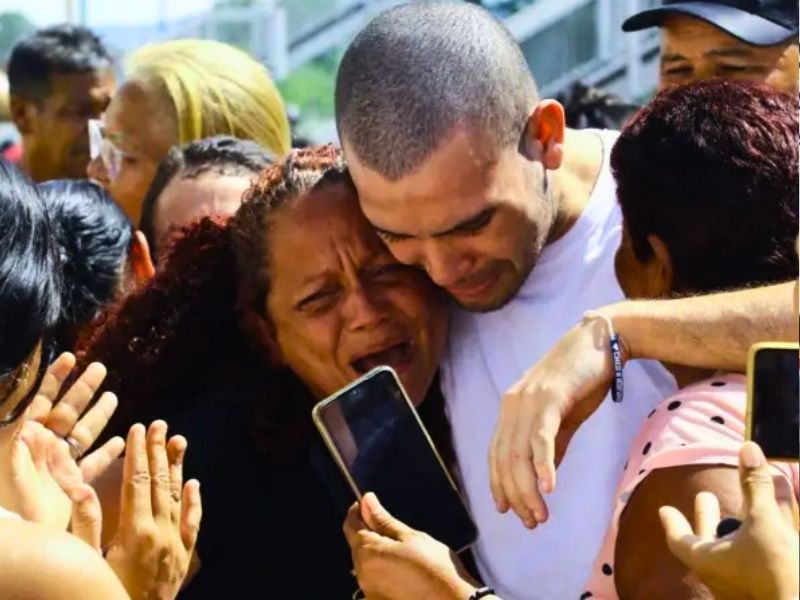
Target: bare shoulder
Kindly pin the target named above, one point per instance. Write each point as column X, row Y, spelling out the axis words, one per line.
column 39, row 563
column 643, row 565
column 583, row 157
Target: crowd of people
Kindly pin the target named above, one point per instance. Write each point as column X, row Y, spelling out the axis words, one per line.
column 179, row 287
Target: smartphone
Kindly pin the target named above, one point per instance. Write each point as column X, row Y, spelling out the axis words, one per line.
column 773, row 407
column 380, row 444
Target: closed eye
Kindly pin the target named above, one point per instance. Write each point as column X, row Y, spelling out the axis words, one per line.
column 388, row 270
column 317, row 300
column 477, row 224
column 674, row 71
column 390, row 238
column 737, row 69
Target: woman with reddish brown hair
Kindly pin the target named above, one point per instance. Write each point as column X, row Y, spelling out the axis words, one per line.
column 249, row 322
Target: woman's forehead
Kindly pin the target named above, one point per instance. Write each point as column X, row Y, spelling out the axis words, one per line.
column 313, row 233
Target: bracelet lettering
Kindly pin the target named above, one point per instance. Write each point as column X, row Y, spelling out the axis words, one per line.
column 618, row 384
column 482, row 593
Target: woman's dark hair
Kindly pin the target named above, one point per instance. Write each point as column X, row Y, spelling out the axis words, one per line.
column 95, row 238
column 222, row 155
column 30, row 281
column 711, row 168
column 179, row 334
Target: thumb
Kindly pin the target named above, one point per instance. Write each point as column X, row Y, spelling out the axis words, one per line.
column 379, row 520
column 758, row 488
column 87, row 516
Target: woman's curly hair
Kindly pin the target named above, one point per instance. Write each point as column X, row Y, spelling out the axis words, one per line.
column 179, row 335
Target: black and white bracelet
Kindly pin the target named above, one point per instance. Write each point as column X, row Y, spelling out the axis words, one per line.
column 482, row 593
column 618, row 383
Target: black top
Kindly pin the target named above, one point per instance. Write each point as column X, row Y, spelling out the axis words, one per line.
column 268, row 530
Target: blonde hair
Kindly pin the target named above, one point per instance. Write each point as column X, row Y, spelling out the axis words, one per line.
column 5, row 109
column 215, row 89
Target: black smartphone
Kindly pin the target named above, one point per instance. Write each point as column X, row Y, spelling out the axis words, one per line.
column 773, row 402
column 380, row 444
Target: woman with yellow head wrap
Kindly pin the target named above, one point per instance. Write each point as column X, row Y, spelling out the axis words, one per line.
column 177, row 92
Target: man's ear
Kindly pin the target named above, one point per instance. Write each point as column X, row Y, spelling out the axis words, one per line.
column 543, row 137
column 23, row 113
column 139, row 260
column 666, row 272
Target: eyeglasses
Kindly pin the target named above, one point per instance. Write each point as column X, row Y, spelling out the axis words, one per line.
column 101, row 146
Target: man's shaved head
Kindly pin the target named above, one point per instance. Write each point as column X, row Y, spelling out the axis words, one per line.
column 419, row 70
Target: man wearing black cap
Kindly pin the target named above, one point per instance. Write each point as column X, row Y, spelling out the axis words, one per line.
column 753, row 40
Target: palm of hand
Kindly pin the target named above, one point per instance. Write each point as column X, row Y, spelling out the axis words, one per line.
column 751, row 550
column 36, row 494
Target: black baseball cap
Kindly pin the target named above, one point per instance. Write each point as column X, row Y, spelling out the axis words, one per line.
column 755, row 22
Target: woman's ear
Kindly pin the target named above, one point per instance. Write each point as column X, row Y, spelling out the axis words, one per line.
column 665, row 273
column 260, row 333
column 22, row 115
column 543, row 137
column 139, row 260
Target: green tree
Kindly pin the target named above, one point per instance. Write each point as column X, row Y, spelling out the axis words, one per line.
column 13, row 27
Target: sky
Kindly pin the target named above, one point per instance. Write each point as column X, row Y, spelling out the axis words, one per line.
column 106, row 12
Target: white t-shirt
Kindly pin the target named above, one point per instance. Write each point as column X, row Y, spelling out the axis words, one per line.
column 489, row 352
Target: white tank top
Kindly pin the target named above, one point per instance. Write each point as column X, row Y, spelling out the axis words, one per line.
column 489, row 352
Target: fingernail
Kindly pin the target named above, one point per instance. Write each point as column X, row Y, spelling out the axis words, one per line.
column 538, row 516
column 529, row 523
column 546, row 486
column 752, row 457
column 372, row 502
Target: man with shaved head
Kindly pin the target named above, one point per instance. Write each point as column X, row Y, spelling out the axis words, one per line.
column 467, row 173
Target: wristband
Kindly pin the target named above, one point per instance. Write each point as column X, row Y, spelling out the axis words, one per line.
column 481, row 593
column 618, row 384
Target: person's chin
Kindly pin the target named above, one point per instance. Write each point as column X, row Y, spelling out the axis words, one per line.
column 487, row 298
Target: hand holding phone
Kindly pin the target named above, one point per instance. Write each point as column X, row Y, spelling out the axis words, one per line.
column 380, row 444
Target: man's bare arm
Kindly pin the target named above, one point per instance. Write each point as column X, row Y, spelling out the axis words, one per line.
column 542, row 411
column 714, row 331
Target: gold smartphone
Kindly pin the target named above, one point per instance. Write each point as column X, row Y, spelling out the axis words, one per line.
column 379, row 442
column 773, row 405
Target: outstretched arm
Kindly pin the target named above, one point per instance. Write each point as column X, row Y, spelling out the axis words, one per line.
column 542, row 411
column 714, row 331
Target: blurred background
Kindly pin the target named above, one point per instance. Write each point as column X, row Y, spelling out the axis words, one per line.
column 566, row 42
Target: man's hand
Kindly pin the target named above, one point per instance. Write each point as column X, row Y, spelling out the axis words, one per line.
column 159, row 519
column 394, row 562
column 759, row 560
column 540, row 414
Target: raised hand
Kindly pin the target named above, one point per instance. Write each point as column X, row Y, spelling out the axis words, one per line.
column 28, row 484
column 159, row 516
column 759, row 560
column 67, row 419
